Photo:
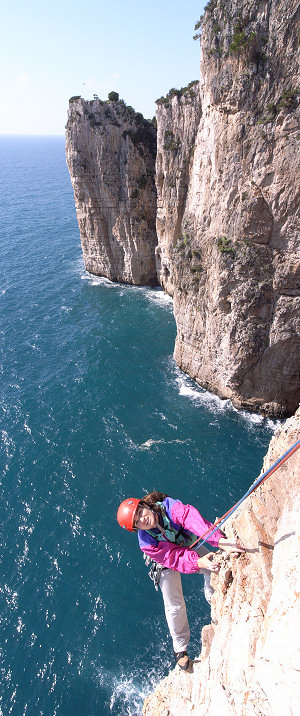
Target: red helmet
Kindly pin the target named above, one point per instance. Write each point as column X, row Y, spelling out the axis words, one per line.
column 126, row 513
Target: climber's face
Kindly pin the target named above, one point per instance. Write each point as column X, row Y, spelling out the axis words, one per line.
column 144, row 518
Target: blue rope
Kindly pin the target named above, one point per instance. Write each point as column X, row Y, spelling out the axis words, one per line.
column 251, row 489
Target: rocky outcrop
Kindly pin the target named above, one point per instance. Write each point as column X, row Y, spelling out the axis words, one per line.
column 228, row 196
column 111, row 153
column 249, row 664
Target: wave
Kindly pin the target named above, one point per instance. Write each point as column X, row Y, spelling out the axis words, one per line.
column 99, row 280
column 187, row 388
column 158, row 296
column 148, row 444
column 155, row 295
column 130, row 687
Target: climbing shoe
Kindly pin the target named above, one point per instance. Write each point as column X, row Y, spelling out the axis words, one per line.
column 180, row 659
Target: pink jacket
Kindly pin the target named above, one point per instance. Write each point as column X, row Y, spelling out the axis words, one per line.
column 180, row 559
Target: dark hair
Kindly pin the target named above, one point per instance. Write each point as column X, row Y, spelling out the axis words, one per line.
column 152, row 498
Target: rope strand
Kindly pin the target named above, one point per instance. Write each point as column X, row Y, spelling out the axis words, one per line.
column 281, row 460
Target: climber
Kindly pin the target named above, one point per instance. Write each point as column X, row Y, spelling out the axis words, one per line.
column 166, row 528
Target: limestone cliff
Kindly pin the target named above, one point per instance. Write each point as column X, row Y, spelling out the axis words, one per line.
column 111, row 153
column 250, row 659
column 228, row 197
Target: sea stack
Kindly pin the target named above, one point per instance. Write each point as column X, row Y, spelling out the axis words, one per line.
column 111, row 152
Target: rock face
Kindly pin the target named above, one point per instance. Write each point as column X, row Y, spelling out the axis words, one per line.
column 111, row 153
column 250, row 660
column 228, row 196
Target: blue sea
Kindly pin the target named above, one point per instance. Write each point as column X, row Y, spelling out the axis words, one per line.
column 93, row 409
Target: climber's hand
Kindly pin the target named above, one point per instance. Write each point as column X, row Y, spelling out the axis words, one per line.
column 229, row 547
column 207, row 563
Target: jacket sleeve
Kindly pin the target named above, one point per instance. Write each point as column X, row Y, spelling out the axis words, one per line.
column 170, row 555
column 190, row 519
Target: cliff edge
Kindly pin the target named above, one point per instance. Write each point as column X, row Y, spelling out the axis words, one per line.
column 250, row 659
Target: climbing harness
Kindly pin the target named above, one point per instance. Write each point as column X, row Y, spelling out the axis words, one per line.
column 154, row 571
column 281, row 460
column 166, row 534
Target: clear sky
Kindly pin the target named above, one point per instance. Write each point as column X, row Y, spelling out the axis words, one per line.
column 53, row 49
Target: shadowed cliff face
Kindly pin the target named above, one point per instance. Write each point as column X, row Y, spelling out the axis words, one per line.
column 249, row 664
column 228, row 196
column 111, row 158
column 178, row 121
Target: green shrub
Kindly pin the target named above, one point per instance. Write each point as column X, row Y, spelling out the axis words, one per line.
column 170, row 143
column 188, row 90
column 269, row 116
column 288, row 99
column 182, row 243
column 271, row 109
column 139, row 119
column 162, row 100
column 113, row 96
column 240, row 40
column 210, row 6
column 224, row 245
column 174, row 92
column 196, row 28
column 75, row 98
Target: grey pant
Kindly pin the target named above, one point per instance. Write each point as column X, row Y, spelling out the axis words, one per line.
column 175, row 609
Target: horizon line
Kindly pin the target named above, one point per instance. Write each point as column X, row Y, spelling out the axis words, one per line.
column 20, row 134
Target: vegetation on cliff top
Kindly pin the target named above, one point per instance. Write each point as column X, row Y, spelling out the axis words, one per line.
column 113, row 96
column 90, row 109
column 187, row 92
column 209, row 7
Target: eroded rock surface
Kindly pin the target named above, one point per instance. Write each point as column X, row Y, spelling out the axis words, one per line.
column 250, row 659
column 228, row 207
column 111, row 153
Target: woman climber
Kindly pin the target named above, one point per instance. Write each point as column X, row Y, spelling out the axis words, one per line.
column 166, row 530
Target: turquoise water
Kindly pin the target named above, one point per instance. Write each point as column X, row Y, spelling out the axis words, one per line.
column 93, row 409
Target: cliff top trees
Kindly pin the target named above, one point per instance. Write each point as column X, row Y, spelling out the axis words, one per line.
column 113, row 96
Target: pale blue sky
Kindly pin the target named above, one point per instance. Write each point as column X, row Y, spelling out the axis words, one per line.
column 53, row 49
